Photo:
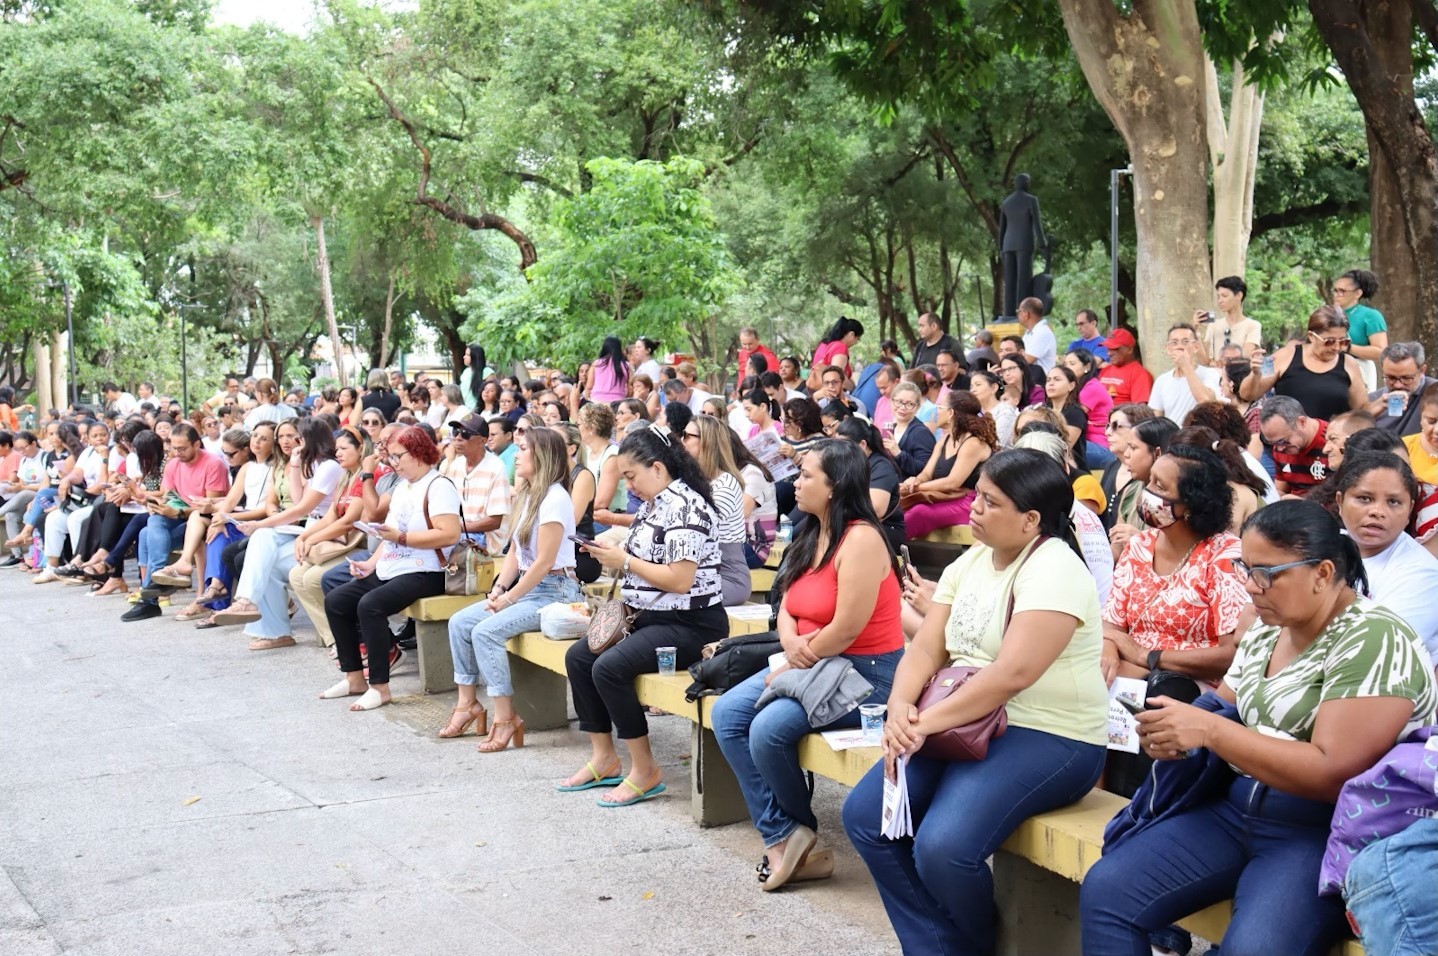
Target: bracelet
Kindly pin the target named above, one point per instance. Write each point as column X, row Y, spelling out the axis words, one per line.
column 366, row 476
column 1153, row 659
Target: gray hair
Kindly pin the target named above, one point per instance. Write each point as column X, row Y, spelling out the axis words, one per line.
column 1403, row 351
column 1281, row 406
column 984, row 337
column 673, row 388
column 452, row 394
column 1049, row 444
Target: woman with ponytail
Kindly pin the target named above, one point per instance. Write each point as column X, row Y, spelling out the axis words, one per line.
column 669, row 565
column 1247, row 488
column 1324, row 682
column 1021, row 606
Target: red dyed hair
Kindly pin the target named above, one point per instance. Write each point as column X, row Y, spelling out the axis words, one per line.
column 418, row 443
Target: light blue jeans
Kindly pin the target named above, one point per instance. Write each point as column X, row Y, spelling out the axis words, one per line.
column 477, row 635
column 268, row 561
column 762, row 746
column 1392, row 895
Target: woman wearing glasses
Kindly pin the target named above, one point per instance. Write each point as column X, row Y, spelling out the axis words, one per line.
column 1318, row 373
column 1324, row 682
column 908, row 442
column 1352, row 292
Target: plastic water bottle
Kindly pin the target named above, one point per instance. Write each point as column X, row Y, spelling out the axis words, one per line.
column 785, row 534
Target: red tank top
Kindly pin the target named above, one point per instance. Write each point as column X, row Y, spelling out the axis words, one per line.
column 811, row 599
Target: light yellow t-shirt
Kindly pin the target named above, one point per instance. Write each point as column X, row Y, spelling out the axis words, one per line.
column 1070, row 699
column 1247, row 332
column 1425, row 466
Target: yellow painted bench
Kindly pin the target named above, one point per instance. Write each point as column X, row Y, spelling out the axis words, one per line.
column 960, row 534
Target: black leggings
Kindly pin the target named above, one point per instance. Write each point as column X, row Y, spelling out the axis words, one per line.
column 232, row 556
column 603, row 685
column 360, row 610
column 115, row 534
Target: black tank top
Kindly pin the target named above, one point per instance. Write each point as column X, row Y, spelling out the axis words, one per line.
column 946, row 465
column 1322, row 394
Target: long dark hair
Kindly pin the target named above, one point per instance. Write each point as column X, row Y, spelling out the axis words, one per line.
column 1026, row 382
column 69, row 436
column 646, row 446
column 476, row 373
column 319, row 445
column 1090, row 368
column 1355, row 466
column 847, row 468
column 858, row 429
column 1307, row 529
column 841, row 328
column 612, row 352
column 150, row 450
column 1033, row 481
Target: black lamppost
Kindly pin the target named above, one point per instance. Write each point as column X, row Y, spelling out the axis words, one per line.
column 70, row 338
column 1113, row 176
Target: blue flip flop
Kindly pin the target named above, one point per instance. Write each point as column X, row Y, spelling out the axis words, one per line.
column 598, row 781
column 639, row 795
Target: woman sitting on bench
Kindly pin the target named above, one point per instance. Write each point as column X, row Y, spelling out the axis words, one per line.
column 842, row 549
column 942, row 493
column 1324, row 682
column 538, row 570
column 1021, row 606
column 670, row 567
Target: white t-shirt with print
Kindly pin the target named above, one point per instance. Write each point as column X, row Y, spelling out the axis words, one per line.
column 406, row 513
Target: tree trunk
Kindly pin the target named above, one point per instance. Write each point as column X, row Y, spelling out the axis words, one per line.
column 328, row 298
column 1146, row 69
column 1372, row 44
column 1233, row 150
column 384, row 335
column 44, row 386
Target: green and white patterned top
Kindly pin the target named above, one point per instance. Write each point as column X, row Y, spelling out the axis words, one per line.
column 1367, row 651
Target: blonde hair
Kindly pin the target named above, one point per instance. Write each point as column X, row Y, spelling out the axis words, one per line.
column 715, row 453
column 550, row 459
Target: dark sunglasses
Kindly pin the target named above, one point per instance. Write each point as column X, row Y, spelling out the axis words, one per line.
column 462, row 434
column 371, row 421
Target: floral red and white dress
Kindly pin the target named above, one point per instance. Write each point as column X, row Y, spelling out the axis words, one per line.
column 1185, row 610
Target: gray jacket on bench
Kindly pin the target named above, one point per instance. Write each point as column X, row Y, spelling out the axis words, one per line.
column 827, row 691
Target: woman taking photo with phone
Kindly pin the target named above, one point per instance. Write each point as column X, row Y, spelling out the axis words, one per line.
column 537, row 571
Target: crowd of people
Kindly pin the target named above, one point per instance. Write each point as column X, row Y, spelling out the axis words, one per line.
column 1249, row 534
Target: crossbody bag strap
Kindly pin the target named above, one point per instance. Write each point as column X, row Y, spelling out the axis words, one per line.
column 438, row 552
column 1014, row 584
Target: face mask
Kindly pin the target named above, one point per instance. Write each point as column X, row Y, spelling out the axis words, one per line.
column 1156, row 512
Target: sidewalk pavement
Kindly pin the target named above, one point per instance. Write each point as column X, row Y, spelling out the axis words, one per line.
column 166, row 790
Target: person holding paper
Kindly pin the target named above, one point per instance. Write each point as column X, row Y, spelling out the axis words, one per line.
column 1022, row 606
column 843, row 549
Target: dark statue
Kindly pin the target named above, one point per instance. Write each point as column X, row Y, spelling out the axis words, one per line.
column 1021, row 234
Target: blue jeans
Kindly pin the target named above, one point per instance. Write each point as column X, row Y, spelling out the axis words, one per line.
column 1098, row 456
column 1391, row 892
column 268, row 562
column 43, row 499
column 477, row 635
column 762, row 745
column 1260, row 847
column 936, row 886
column 214, row 563
column 160, row 536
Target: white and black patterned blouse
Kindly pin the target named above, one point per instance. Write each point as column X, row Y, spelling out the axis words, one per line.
column 678, row 525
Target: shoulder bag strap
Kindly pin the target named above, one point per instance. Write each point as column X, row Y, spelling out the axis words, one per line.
column 438, row 552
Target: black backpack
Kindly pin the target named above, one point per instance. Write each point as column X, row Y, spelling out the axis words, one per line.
column 735, row 660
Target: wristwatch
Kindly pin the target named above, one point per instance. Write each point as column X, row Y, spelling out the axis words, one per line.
column 366, row 476
column 1153, row 659
column 627, row 558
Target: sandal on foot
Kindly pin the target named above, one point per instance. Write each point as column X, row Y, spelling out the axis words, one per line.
column 238, row 613
column 448, row 731
column 600, row 780
column 369, row 700
column 207, row 624
column 271, row 643
column 170, row 578
column 498, row 739
column 193, row 611
column 639, row 795
column 336, row 691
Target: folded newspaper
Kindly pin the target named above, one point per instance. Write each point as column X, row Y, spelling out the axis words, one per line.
column 896, row 820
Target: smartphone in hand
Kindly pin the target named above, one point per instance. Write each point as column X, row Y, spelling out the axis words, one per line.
column 580, row 540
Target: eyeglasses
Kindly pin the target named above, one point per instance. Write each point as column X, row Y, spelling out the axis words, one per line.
column 1333, row 343
column 463, row 434
column 904, row 404
column 371, row 422
column 1262, row 577
column 1401, row 381
column 828, row 382
column 1115, row 425
column 1342, row 290
column 1179, row 343
column 688, row 435
column 1284, row 444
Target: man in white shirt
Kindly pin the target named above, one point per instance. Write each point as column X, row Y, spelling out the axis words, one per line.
column 1176, row 392
column 676, row 391
column 1040, row 345
column 122, row 402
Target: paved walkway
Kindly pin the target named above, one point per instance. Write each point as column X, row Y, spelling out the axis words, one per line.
column 166, row 790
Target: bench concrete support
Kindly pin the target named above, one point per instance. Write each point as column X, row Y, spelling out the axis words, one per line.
column 541, row 696
column 436, row 663
column 714, row 796
column 1038, row 909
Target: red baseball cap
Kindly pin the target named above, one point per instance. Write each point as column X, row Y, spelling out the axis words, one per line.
column 1119, row 338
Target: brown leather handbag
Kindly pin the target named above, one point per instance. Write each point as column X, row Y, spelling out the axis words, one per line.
column 967, row 741
column 611, row 620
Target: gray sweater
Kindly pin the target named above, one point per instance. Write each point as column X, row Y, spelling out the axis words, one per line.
column 827, row 691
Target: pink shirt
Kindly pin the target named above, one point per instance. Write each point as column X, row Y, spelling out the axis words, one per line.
column 883, row 412
column 608, row 385
column 197, row 479
column 1096, row 399
column 775, row 427
column 833, row 353
column 9, row 466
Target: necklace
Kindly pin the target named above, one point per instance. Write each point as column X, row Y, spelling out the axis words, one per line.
column 1181, row 561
